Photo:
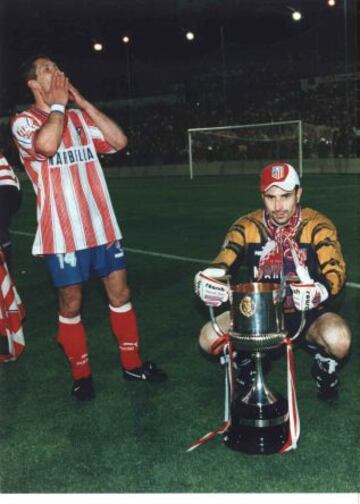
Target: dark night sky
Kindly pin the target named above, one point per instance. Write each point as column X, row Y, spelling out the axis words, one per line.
column 157, row 25
column 67, row 28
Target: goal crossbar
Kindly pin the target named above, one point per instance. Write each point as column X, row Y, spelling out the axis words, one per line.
column 251, row 125
column 215, row 129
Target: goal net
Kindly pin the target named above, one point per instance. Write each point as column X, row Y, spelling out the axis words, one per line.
column 244, row 148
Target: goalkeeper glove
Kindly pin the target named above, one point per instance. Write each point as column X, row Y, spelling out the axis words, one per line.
column 209, row 289
column 307, row 296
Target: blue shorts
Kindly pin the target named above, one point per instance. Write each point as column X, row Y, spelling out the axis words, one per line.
column 77, row 267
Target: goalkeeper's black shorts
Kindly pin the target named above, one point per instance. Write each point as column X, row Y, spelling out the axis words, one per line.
column 293, row 320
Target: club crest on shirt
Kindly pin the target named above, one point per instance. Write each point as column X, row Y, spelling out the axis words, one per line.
column 25, row 128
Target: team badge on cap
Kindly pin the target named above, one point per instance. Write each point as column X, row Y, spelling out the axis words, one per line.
column 279, row 174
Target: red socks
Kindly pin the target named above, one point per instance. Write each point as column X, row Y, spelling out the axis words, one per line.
column 72, row 338
column 124, row 326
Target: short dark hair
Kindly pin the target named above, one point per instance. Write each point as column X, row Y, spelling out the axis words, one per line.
column 27, row 68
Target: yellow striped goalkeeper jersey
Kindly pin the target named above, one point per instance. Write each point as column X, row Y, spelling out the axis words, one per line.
column 316, row 235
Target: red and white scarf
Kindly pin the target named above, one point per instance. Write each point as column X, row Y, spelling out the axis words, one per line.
column 12, row 314
column 281, row 244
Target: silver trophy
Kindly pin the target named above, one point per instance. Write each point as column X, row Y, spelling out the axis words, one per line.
column 259, row 417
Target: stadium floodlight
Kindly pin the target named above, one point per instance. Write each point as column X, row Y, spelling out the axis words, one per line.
column 97, row 46
column 296, row 15
column 331, row 3
column 190, row 35
column 126, row 39
column 244, row 148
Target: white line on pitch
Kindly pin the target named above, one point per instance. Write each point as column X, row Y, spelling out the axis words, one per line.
column 23, row 233
column 171, row 256
column 168, row 256
column 352, row 284
column 145, row 252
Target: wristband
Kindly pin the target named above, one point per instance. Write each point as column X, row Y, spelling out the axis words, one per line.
column 57, row 107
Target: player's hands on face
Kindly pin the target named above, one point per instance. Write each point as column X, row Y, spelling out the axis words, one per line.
column 76, row 96
column 210, row 290
column 307, row 296
column 58, row 91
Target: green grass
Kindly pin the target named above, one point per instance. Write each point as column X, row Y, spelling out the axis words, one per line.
column 133, row 436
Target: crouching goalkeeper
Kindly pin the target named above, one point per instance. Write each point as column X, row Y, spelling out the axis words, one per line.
column 285, row 242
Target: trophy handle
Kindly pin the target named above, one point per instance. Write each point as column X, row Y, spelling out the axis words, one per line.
column 301, row 326
column 215, row 325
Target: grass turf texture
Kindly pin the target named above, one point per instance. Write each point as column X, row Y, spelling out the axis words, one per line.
column 133, row 436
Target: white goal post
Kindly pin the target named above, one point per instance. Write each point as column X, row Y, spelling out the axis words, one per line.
column 245, row 145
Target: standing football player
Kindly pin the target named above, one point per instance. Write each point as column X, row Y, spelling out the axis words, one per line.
column 77, row 234
column 298, row 246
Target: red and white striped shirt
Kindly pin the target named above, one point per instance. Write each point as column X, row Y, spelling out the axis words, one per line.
column 12, row 313
column 7, row 175
column 74, row 210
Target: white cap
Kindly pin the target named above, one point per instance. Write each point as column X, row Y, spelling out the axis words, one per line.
column 280, row 174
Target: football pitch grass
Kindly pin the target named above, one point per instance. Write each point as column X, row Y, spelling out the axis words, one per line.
column 133, row 437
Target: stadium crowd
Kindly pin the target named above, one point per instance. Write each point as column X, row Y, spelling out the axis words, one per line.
column 295, row 88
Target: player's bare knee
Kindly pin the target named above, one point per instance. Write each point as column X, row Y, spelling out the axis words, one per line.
column 70, row 302
column 209, row 340
column 337, row 342
column 341, row 341
column 332, row 333
column 70, row 309
column 207, row 334
column 121, row 297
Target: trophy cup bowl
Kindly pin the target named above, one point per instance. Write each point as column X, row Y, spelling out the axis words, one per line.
column 259, row 417
column 257, row 317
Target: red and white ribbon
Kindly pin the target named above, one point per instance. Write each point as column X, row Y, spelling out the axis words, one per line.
column 294, row 418
column 229, row 394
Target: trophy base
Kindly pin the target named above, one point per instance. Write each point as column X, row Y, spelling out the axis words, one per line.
column 258, row 429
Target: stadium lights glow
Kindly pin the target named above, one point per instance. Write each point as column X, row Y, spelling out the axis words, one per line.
column 126, row 39
column 190, row 35
column 98, row 47
column 296, row 15
column 331, row 3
